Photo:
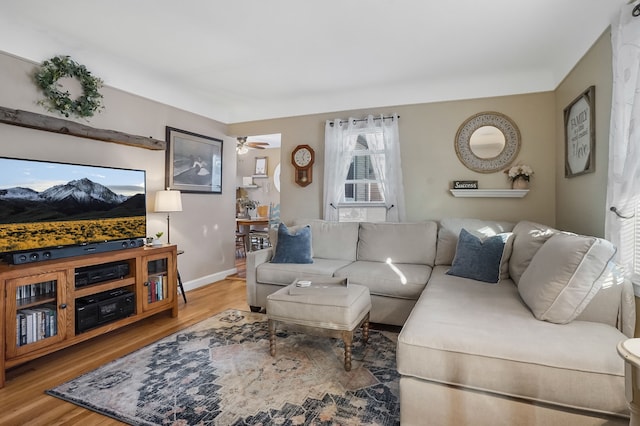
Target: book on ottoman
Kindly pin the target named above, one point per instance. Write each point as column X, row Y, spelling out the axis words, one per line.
column 332, row 286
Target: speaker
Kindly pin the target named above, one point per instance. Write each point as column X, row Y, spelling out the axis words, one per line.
column 30, row 256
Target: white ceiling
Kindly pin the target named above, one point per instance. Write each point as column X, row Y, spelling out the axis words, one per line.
column 244, row 60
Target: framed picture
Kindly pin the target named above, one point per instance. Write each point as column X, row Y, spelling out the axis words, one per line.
column 580, row 134
column 193, row 162
column 261, row 167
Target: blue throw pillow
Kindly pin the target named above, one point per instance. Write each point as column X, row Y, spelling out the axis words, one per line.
column 478, row 259
column 293, row 247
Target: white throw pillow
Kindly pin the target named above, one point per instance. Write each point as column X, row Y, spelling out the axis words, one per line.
column 562, row 277
column 528, row 237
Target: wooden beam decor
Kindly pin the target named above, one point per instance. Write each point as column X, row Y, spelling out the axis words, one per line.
column 37, row 121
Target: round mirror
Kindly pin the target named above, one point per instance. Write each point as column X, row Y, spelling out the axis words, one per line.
column 487, row 142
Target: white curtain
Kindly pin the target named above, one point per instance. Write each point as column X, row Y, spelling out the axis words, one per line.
column 382, row 136
column 337, row 157
column 623, row 185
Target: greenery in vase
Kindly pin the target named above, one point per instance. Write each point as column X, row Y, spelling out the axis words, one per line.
column 247, row 203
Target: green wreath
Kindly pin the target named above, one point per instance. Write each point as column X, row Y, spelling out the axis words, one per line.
column 59, row 67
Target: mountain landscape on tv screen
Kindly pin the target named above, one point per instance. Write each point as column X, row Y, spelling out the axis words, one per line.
column 80, row 199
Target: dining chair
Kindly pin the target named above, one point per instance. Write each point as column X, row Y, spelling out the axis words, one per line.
column 260, row 238
column 241, row 246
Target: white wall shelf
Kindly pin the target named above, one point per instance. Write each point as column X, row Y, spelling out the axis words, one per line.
column 490, row 193
column 248, row 186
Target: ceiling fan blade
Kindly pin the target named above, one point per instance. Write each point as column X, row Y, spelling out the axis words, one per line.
column 259, row 145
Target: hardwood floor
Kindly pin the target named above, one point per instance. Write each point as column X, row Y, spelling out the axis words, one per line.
column 23, row 401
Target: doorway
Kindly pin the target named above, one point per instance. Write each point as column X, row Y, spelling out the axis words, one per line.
column 257, row 181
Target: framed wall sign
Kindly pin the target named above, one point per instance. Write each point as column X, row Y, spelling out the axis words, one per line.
column 580, row 134
column 193, row 162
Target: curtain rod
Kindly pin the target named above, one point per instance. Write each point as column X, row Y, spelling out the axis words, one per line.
column 365, row 119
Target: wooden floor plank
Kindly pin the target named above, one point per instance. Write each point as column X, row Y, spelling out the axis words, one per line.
column 23, row 401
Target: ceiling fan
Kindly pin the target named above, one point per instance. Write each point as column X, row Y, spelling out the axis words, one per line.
column 242, row 147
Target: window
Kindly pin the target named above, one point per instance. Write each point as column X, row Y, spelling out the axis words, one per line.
column 629, row 249
column 363, row 200
column 361, row 184
column 363, row 177
column 622, row 223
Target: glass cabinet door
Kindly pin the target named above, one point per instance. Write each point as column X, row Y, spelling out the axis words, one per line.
column 160, row 290
column 36, row 312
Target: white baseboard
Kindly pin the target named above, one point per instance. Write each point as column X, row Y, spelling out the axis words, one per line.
column 208, row 279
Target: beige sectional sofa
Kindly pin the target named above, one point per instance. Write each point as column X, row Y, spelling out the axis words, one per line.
column 536, row 347
column 358, row 251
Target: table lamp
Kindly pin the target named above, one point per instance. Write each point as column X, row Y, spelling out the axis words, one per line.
column 168, row 201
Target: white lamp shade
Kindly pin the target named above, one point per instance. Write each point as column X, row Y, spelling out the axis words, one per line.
column 168, row 201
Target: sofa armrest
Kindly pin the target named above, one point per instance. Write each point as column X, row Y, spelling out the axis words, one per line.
column 627, row 316
column 255, row 258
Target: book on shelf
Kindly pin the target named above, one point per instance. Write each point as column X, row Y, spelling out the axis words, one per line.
column 36, row 324
column 165, row 286
column 157, row 288
column 21, row 329
column 326, row 286
column 53, row 318
column 30, row 326
column 44, row 289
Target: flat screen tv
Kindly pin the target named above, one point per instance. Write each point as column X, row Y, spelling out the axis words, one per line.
column 46, row 204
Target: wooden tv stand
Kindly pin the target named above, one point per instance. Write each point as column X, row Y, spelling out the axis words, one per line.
column 39, row 305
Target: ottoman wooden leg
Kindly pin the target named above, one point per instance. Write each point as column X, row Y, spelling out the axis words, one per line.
column 272, row 337
column 365, row 329
column 347, row 338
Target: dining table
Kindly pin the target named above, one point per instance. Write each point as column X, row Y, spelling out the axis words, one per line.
column 244, row 225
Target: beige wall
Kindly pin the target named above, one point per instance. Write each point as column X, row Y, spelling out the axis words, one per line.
column 429, row 161
column 205, row 229
column 581, row 200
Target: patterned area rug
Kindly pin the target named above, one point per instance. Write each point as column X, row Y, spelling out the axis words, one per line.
column 219, row 372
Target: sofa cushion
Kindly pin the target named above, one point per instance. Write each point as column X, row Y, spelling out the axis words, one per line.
column 563, row 276
column 528, row 237
column 482, row 337
column 401, row 242
column 605, row 305
column 286, row 273
column 450, row 228
column 400, row 280
column 478, row 258
column 332, row 240
column 293, row 246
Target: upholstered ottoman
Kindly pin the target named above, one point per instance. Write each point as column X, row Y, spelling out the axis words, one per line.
column 331, row 314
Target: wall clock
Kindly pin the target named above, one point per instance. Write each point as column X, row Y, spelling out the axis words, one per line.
column 302, row 159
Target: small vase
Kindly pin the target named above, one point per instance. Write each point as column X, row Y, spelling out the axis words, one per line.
column 520, row 183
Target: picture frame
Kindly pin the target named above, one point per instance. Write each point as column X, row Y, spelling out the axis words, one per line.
column 193, row 162
column 580, row 134
column 261, row 169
